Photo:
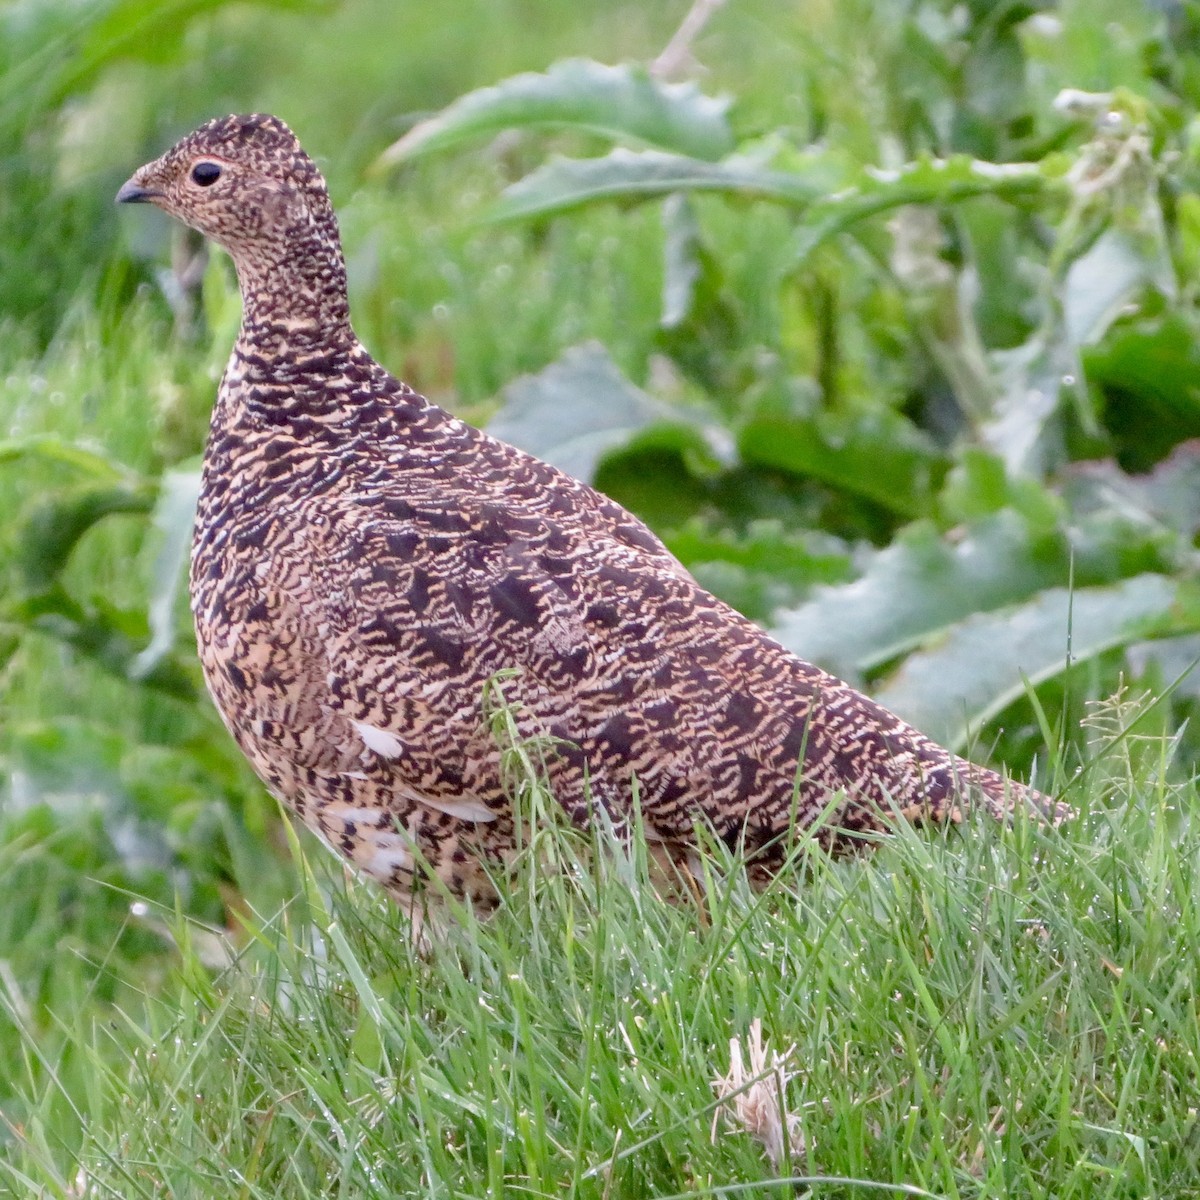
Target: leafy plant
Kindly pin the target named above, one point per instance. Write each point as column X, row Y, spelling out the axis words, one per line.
column 52, row 56
column 1019, row 287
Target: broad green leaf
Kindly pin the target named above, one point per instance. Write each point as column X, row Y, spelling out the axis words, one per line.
column 703, row 326
column 150, row 30
column 918, row 586
column 67, row 762
column 564, row 184
column 978, row 485
column 581, row 408
column 52, row 530
column 798, row 556
column 661, row 485
column 1005, row 302
column 173, row 517
column 984, row 662
column 1102, row 281
column 73, row 767
column 1168, row 495
column 106, row 634
column 763, row 567
column 615, row 102
column 926, row 181
column 67, row 56
column 1175, row 659
column 876, row 453
column 49, row 448
column 1158, row 359
column 1149, row 372
column 1030, row 378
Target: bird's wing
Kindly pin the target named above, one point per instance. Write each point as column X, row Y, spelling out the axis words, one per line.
column 620, row 655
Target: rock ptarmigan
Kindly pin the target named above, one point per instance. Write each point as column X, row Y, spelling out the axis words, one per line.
column 364, row 563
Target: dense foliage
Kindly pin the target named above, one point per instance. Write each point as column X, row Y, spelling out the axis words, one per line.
column 884, row 315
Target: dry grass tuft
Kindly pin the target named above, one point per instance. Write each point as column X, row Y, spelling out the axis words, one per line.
column 755, row 1085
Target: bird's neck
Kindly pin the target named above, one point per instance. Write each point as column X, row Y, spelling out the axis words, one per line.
column 281, row 307
column 294, row 289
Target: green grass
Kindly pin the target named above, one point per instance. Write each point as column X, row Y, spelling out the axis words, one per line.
column 995, row 1012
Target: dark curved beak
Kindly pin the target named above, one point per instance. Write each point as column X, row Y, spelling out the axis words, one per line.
column 133, row 192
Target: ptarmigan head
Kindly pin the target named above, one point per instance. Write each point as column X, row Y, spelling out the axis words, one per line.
column 246, row 183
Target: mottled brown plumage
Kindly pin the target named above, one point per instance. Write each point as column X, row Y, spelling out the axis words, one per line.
column 364, row 562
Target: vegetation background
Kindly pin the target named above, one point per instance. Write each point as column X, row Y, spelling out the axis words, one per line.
column 884, row 315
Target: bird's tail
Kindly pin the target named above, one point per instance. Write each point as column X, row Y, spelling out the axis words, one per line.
column 1001, row 797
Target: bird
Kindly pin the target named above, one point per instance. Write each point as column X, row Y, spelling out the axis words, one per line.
column 365, row 564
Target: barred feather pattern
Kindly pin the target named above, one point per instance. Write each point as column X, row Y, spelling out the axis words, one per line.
column 364, row 562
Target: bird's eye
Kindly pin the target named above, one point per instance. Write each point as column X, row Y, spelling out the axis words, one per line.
column 205, row 173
